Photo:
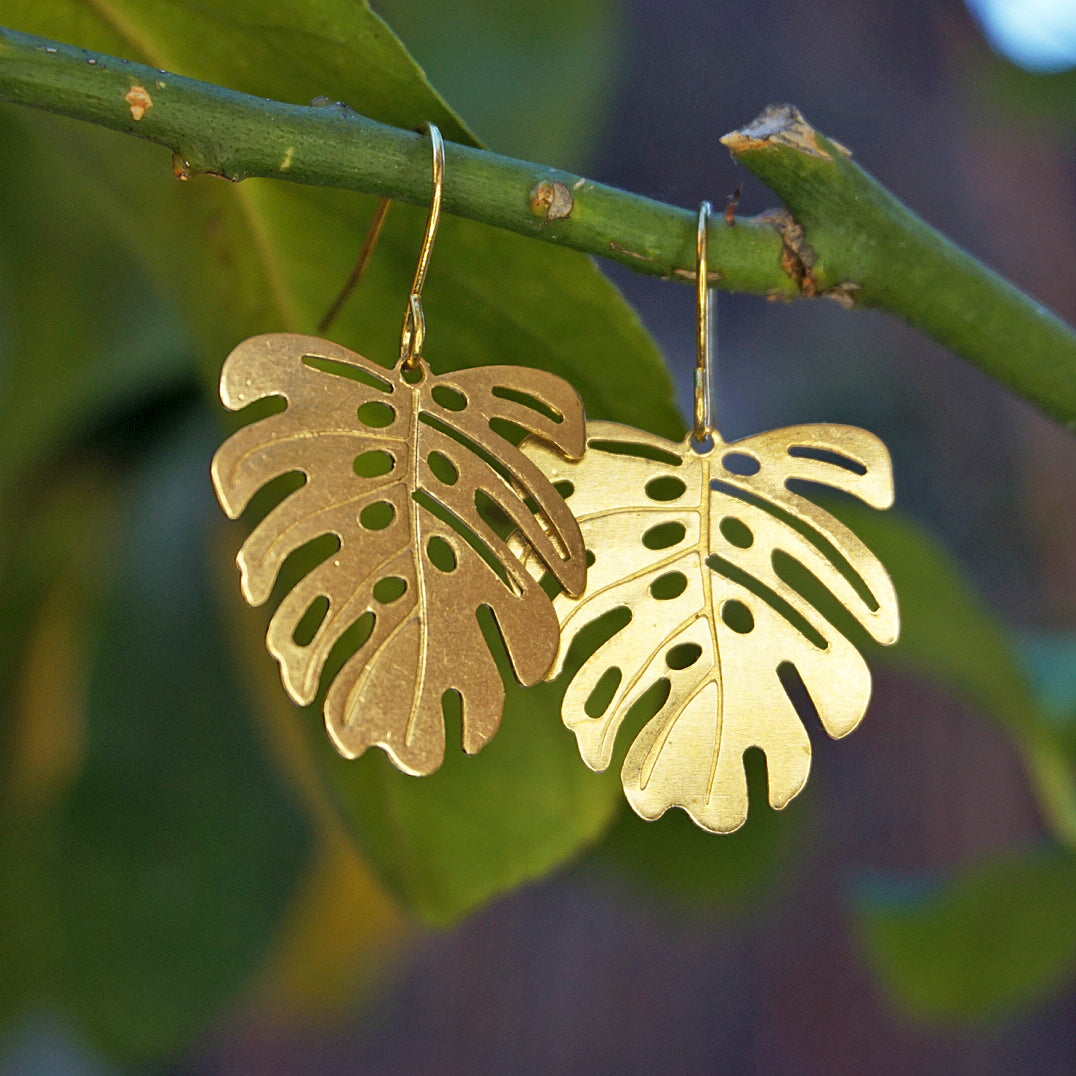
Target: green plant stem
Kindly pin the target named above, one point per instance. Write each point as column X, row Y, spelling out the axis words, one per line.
column 860, row 244
column 215, row 131
column 845, row 236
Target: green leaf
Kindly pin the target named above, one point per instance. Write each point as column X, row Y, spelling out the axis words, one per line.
column 59, row 542
column 262, row 255
column 949, row 635
column 174, row 852
column 83, row 331
column 54, row 563
column 259, row 256
column 481, row 825
column 675, row 859
column 537, row 79
column 295, row 51
column 1000, row 934
column 1050, row 660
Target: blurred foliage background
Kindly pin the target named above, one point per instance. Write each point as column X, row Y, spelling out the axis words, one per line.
column 190, row 881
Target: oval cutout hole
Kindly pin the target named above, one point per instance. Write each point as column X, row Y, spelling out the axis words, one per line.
column 444, row 470
column 683, row 656
column 738, row 617
column 668, row 586
column 740, row 463
column 389, row 589
column 450, row 399
column 377, row 516
column 376, row 414
column 665, row 488
column 442, row 555
column 310, row 621
column 664, row 536
column 824, row 455
column 736, row 532
column 373, row 464
column 564, row 488
column 604, row 690
column 503, row 392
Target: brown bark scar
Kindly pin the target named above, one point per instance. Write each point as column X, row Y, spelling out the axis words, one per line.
column 797, row 257
column 139, row 100
column 181, row 167
column 798, row 261
column 621, row 249
column 731, row 205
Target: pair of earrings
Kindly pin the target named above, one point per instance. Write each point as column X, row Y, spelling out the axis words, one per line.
column 436, row 516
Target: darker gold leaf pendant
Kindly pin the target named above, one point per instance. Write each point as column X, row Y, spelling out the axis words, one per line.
column 416, row 479
column 408, row 473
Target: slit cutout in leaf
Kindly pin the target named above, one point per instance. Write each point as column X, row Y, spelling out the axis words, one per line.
column 396, row 523
column 736, row 613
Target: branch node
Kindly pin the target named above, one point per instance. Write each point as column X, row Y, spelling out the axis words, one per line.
column 139, row 101
column 553, row 198
column 182, row 169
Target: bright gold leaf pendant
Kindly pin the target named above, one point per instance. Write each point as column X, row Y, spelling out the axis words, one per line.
column 404, row 470
column 730, row 577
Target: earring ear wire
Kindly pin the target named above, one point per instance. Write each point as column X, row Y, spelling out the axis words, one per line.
column 704, row 420
column 413, row 333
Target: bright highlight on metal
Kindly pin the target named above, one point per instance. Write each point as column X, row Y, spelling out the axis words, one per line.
column 703, row 360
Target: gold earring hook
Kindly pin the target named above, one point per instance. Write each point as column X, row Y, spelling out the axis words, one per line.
column 703, row 403
column 413, row 333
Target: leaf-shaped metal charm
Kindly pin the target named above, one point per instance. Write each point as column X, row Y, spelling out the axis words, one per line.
column 400, row 469
column 702, row 548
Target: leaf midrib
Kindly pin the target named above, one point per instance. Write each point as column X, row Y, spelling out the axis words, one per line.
column 286, row 301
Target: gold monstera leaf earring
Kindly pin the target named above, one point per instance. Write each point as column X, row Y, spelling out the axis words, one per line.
column 727, row 575
column 405, row 469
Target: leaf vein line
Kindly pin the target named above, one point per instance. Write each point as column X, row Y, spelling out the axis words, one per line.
column 368, row 667
column 646, row 770
column 703, row 551
column 334, row 506
column 341, row 612
column 585, row 602
column 607, row 513
column 642, row 666
column 414, row 521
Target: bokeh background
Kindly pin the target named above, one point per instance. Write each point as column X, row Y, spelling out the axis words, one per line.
column 758, row 963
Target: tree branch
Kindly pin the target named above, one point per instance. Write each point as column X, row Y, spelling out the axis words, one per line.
column 848, row 237
column 334, row 146
column 844, row 236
